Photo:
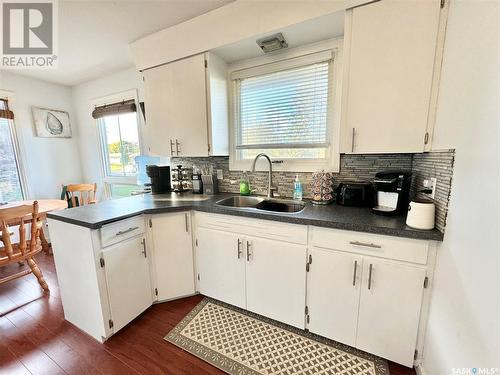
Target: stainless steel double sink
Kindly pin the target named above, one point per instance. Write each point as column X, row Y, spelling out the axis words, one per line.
column 264, row 204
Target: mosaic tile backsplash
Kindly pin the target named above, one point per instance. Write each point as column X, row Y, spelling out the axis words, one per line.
column 352, row 168
column 438, row 164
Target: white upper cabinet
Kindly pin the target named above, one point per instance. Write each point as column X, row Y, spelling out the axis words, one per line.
column 389, row 76
column 186, row 107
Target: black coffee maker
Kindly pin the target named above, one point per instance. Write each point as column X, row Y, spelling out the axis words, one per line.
column 392, row 192
column 160, row 178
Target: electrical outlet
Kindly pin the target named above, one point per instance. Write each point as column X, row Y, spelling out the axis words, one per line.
column 430, row 184
column 433, row 187
column 220, row 175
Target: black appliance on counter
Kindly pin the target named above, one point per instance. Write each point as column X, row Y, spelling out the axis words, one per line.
column 358, row 194
column 392, row 192
column 160, row 179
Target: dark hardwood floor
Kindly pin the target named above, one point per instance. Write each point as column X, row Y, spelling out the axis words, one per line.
column 35, row 338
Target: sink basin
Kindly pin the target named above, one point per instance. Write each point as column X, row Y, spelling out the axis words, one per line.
column 274, row 205
column 280, row 205
column 240, row 201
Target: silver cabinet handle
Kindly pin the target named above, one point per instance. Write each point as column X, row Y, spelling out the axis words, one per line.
column 365, row 244
column 171, row 148
column 248, row 251
column 187, row 223
column 354, row 273
column 370, row 276
column 353, row 134
column 144, row 248
column 126, row 231
column 239, row 248
column 177, row 144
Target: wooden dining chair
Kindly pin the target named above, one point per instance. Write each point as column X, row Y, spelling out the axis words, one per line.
column 87, row 194
column 22, row 217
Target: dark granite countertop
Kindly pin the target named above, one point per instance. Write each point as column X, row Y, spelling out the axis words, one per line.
column 330, row 216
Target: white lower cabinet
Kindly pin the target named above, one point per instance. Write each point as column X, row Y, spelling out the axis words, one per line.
column 221, row 266
column 251, row 264
column 333, row 294
column 364, row 290
column 172, row 258
column 389, row 310
column 365, row 301
column 275, row 279
column 127, row 280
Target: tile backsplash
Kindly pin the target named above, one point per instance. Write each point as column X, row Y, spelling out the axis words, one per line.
column 352, row 168
column 438, row 164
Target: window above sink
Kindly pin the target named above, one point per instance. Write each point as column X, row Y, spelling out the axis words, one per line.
column 287, row 105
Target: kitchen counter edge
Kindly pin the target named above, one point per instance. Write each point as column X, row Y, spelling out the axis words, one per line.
column 210, row 207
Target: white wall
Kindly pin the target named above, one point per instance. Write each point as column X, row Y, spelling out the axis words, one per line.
column 229, row 24
column 47, row 162
column 463, row 330
column 83, row 95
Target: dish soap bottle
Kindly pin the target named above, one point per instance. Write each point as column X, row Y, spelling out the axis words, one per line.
column 244, row 185
column 297, row 189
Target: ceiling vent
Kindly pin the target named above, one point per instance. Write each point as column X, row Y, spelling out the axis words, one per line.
column 272, row 43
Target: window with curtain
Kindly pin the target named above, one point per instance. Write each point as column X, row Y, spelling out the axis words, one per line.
column 120, row 144
column 11, row 188
column 284, row 109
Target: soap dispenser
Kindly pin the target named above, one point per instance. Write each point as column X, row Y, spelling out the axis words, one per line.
column 297, row 189
column 244, row 185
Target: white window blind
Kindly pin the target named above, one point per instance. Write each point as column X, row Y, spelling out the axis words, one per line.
column 286, row 109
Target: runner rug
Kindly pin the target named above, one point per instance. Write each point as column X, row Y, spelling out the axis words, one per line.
column 239, row 342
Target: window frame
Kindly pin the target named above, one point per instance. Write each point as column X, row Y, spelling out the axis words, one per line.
column 107, row 179
column 282, row 61
column 17, row 145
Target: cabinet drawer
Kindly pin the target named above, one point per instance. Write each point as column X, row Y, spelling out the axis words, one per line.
column 273, row 230
column 405, row 249
column 121, row 230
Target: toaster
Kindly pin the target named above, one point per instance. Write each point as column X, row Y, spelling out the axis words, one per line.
column 358, row 194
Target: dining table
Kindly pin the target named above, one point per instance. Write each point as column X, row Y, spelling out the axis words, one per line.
column 44, row 206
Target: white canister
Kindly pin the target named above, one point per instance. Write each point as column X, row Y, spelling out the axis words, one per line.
column 421, row 214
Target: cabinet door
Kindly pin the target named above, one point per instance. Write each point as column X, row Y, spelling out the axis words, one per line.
column 389, row 311
column 276, row 280
column 172, row 255
column 176, row 108
column 333, row 294
column 390, row 70
column 128, row 281
column 221, row 267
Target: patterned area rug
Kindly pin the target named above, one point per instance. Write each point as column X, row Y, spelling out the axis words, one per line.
column 239, row 342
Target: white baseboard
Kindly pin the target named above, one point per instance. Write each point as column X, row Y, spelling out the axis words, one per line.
column 419, row 369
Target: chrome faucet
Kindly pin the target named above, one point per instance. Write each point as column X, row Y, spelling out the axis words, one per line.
column 270, row 182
